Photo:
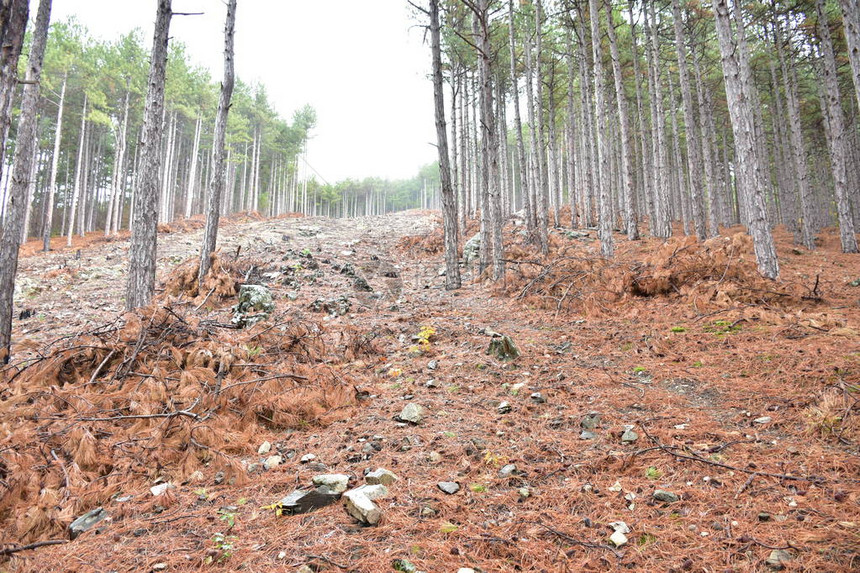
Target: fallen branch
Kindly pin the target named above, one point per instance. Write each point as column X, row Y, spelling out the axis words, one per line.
column 575, row 541
column 11, row 550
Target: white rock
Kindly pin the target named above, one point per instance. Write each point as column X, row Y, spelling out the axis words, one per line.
column 372, row 492
column 618, row 539
column 620, row 526
column 264, row 448
column 616, row 487
column 762, row 420
column 380, row 476
column 159, row 489
column 272, row 462
column 359, row 506
column 334, row 483
column 307, row 458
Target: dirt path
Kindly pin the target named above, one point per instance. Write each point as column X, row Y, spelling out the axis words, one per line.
column 601, row 411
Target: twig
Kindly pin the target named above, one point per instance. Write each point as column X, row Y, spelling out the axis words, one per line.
column 264, row 379
column 65, row 473
column 98, row 369
column 11, row 550
column 199, row 306
column 327, row 560
column 174, row 414
column 575, row 541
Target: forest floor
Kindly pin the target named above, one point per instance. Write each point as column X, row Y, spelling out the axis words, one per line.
column 673, row 369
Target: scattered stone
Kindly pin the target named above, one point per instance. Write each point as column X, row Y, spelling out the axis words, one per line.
column 255, row 305
column 331, row 483
column 472, row 249
column 431, row 383
column 617, row 538
column 307, row 458
column 616, row 487
column 159, row 489
column 404, row 566
column 762, row 420
column 538, row 398
column 333, row 306
column 433, row 365
column 465, row 570
column 159, row 567
column 665, row 496
column 508, row 470
column 303, row 501
column 777, row 559
column 86, row 522
column 503, row 408
column 524, row 492
column 372, row 492
column 515, row 389
column 629, row 436
column 264, row 448
column 380, row 476
column 503, row 347
column 361, row 507
column 272, row 462
column 764, row 516
column 855, row 283
column 590, row 421
column 586, row 435
column 449, row 487
column 427, row 511
column 302, row 569
column 412, row 413
column 434, row 457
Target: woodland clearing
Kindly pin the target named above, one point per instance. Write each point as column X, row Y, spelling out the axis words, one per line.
column 742, row 393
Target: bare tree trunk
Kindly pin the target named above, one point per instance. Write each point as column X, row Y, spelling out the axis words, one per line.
column 628, row 190
column 13, row 24
column 518, row 123
column 76, row 194
column 661, row 225
column 743, row 128
column 10, row 240
column 142, row 251
column 694, row 159
column 851, row 24
column 219, row 165
column 838, row 151
column 449, row 198
column 605, row 222
column 50, row 193
column 541, row 190
column 192, row 170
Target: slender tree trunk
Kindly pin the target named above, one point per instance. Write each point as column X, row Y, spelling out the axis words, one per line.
column 13, row 24
column 694, row 159
column 142, row 252
column 605, row 222
column 192, row 170
column 10, row 240
column 219, row 165
column 518, row 123
column 628, row 189
column 449, row 198
column 851, row 21
column 743, row 128
column 661, row 225
column 50, row 193
column 838, row 151
column 122, row 147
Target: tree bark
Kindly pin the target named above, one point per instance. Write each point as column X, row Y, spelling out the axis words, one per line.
column 48, row 219
column 605, row 222
column 449, row 199
column 851, row 21
column 743, row 127
column 13, row 24
column 10, row 240
column 142, row 251
column 192, row 170
column 838, row 151
column 219, row 164
column 661, row 225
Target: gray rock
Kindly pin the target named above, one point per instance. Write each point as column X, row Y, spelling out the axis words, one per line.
column 86, row 522
column 264, row 448
column 255, row 305
column 412, row 413
column 307, row 458
column 524, row 492
column 508, row 470
column 472, row 249
column 331, row 483
column 449, row 487
column 618, row 538
column 404, row 566
column 503, row 408
column 590, row 421
column 272, row 462
column 371, row 491
column 629, row 436
column 380, row 476
column 665, row 496
column 538, row 398
column 586, row 435
column 361, row 507
column 303, row 501
column 433, row 365
column 777, row 559
column 762, row 420
column 503, row 348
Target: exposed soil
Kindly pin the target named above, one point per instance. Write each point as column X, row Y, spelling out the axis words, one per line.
column 743, row 394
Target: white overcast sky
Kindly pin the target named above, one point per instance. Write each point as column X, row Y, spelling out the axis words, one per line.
column 361, row 64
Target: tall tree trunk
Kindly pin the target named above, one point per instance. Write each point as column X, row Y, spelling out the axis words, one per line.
column 605, row 222
column 628, row 189
column 838, row 150
column 541, row 190
column 10, row 240
column 192, row 170
column 219, row 165
column 142, row 251
column 50, row 193
column 661, row 225
column 518, row 123
column 449, row 198
column 743, row 127
column 76, row 194
column 119, row 167
column 13, row 24
column 851, row 21
column 694, row 159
